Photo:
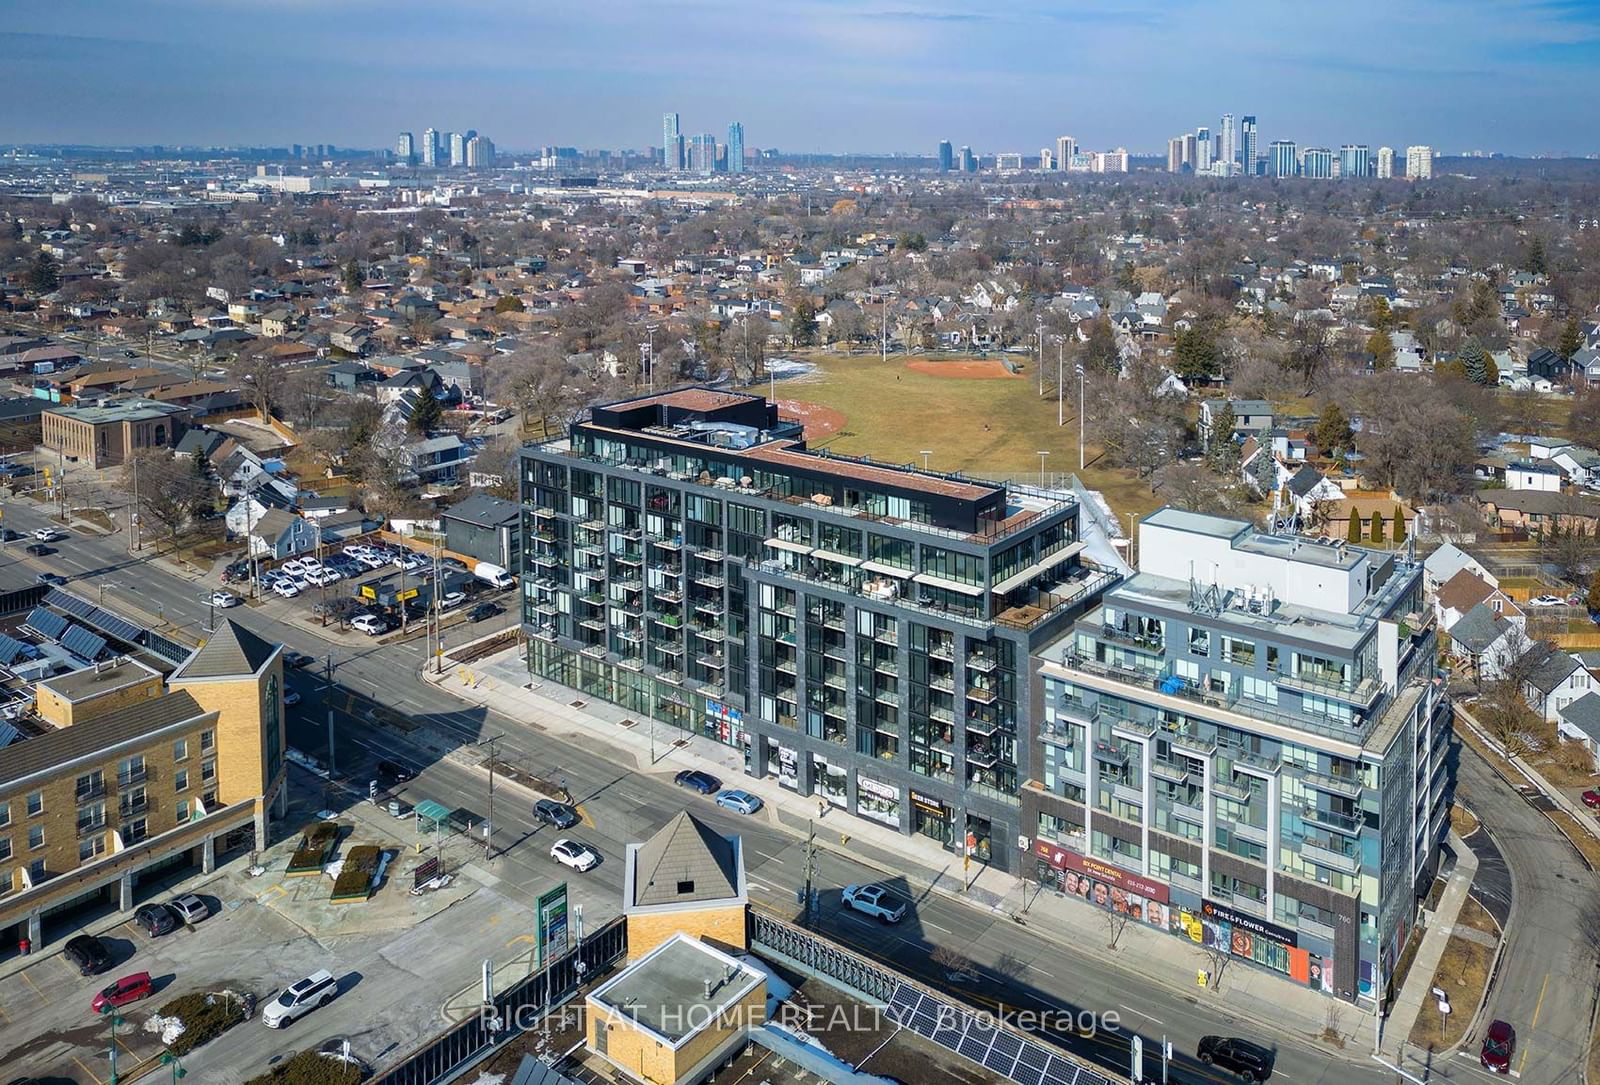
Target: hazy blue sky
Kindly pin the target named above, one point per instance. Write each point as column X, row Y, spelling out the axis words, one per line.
column 826, row 75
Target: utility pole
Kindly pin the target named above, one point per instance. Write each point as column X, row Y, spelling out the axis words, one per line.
column 133, row 511
column 488, row 825
column 1081, row 419
column 327, row 700
column 811, row 862
column 438, row 615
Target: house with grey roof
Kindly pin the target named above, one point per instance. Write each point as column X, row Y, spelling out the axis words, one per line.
column 1580, row 722
column 1484, row 642
column 1555, row 679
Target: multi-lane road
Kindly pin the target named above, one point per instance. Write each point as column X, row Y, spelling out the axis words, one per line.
column 621, row 805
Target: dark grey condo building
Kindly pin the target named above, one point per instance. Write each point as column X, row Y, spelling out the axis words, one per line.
column 865, row 632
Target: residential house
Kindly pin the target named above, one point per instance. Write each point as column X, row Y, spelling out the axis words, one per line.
column 435, row 459
column 1310, row 491
column 1540, row 475
column 278, row 534
column 1547, row 364
column 1580, row 464
column 1447, row 561
column 1251, row 417
column 487, row 528
column 1554, row 680
column 1483, row 643
column 1579, row 721
column 1336, row 516
column 1537, row 510
column 1465, row 590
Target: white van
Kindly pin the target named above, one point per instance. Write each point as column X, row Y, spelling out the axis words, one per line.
column 493, row 575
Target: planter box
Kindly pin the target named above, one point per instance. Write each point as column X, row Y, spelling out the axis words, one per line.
column 354, row 882
column 315, row 847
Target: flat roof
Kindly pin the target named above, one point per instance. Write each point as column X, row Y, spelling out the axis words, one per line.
column 81, row 685
column 688, row 399
column 133, row 410
column 1218, row 527
column 785, row 454
column 665, row 992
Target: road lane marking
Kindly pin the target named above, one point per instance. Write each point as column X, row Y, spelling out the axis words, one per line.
column 1042, row 972
column 1157, row 1020
column 92, row 1075
column 1537, row 1006
column 24, row 974
column 935, row 926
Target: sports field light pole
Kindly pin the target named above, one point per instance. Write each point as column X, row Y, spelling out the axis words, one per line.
column 1080, row 416
column 1061, row 361
column 1042, row 454
column 1038, row 330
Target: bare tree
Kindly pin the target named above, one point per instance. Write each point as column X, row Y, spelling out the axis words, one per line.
column 958, row 967
column 1116, row 923
column 1217, row 959
column 1501, row 707
column 165, row 489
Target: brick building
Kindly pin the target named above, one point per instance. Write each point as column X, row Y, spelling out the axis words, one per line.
column 105, row 435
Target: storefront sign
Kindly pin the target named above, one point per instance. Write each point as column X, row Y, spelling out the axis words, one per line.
column 1101, row 872
column 878, row 801
column 932, row 805
column 788, row 767
column 1239, row 921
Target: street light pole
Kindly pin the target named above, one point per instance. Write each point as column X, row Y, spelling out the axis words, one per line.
column 327, row 700
column 1039, row 331
column 488, row 825
column 1081, row 419
column 1061, row 361
column 1043, row 452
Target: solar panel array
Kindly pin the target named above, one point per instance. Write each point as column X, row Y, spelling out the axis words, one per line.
column 47, row 623
column 113, row 625
column 82, row 643
column 8, row 733
column 1010, row 1054
column 11, row 649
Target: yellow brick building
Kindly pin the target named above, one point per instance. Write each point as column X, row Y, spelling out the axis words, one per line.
column 133, row 775
column 686, row 878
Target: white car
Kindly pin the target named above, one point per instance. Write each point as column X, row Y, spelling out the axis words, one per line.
column 322, row 578
column 575, row 854
column 371, row 560
column 299, row 999
column 370, row 624
column 292, row 567
column 356, row 550
column 451, row 600
column 876, row 901
column 46, row 534
column 291, row 697
column 1546, row 601
column 286, row 588
column 224, row 599
column 189, row 908
column 412, row 562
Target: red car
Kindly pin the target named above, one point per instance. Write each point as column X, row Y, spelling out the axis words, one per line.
column 1591, row 798
column 125, row 990
column 1499, row 1043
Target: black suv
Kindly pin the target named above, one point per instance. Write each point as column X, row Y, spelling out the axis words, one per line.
column 88, row 953
column 1251, row 1062
column 156, row 919
column 555, row 813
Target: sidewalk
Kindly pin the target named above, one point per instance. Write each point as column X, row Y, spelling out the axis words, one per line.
column 501, row 682
column 1418, row 986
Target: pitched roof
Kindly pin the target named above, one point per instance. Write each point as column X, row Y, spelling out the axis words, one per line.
column 1463, row 591
column 232, row 650
column 1584, row 714
column 1552, row 667
column 1478, row 629
column 685, row 861
column 1304, row 481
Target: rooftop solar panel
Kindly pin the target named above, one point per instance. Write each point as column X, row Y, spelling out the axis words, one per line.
column 72, row 604
column 82, row 643
column 114, row 625
column 11, row 649
column 47, row 623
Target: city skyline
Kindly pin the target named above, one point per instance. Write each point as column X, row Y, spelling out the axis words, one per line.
column 1511, row 77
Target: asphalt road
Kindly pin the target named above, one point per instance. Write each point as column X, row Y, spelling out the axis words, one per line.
column 1018, row 966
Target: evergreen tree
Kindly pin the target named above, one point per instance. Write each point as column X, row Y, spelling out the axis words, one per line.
column 1332, row 432
column 1592, row 599
column 1194, row 355
column 1475, row 362
column 1265, row 471
column 1571, row 337
column 1382, row 315
column 803, row 323
column 352, row 277
column 1352, row 531
column 425, row 417
column 1399, row 523
column 1381, row 347
column 43, row 276
column 1377, row 526
column 1222, row 423
column 1534, row 259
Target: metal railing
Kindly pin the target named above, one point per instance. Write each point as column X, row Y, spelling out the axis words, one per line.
column 459, row 1047
column 820, row 955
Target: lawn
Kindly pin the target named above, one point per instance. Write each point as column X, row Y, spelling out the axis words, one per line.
column 985, row 427
column 1464, row 973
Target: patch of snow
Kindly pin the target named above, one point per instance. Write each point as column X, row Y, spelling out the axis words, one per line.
column 168, row 1028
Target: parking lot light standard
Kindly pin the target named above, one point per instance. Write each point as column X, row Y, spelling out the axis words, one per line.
column 110, row 1011
column 169, row 1059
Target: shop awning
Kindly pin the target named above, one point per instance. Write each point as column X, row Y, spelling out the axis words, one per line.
column 949, row 585
column 794, row 547
column 1016, row 580
column 886, row 570
column 831, row 555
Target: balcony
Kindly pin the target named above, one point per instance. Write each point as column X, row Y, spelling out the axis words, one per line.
column 945, row 650
column 1170, row 771
column 1110, row 752
column 992, row 793
column 1329, row 819
column 1334, row 860
column 714, row 607
column 943, row 715
column 91, row 792
column 546, row 561
column 669, row 595
column 671, row 621
column 1362, row 695
column 983, row 664
column 134, row 805
column 709, row 555
column 667, row 544
column 1349, row 787
column 981, row 756
column 942, row 682
column 715, row 583
column 712, row 662
column 668, row 648
column 1143, row 642
column 708, row 632
column 132, row 777
column 889, row 697
column 982, row 696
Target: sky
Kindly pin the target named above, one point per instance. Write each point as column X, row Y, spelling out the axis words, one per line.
column 1515, row 76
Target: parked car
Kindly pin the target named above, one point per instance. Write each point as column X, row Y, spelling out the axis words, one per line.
column 392, row 772
column 299, row 999
column 1546, row 601
column 452, row 599
column 323, row 577
column 575, row 854
column 555, row 813
column 286, row 588
column 291, row 697
column 412, row 562
column 695, row 780
column 89, row 953
column 740, row 802
column 483, row 611
column 370, row 624
column 156, row 920
column 55, row 580
column 876, row 901
column 1250, row 1062
column 1591, row 799
column 1499, row 1044
column 371, row 560
column 297, row 660
column 40, row 549
column 189, row 908
column 125, row 990
column 224, row 599
column 292, row 567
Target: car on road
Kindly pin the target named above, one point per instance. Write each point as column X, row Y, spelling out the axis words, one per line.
column 189, row 908
column 575, row 854
column 1245, row 1060
column 370, row 624
column 1499, row 1044
column 483, row 611
column 875, row 900
column 695, row 780
column 1546, row 601
column 224, row 599
column 297, row 660
column 88, row 953
column 53, row 579
column 555, row 813
column 156, row 920
column 392, row 772
column 125, row 990
column 40, row 550
column 291, row 697
column 7, row 535
column 740, row 802
column 1591, row 799
column 286, row 588
column 299, row 999
column 46, row 534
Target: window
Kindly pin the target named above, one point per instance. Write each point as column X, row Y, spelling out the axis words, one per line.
column 91, row 847
column 208, row 771
column 182, row 810
column 130, row 770
column 35, row 804
column 35, row 837
column 1199, row 641
column 1242, row 652
column 180, row 781
column 135, row 831
column 5, row 848
column 208, row 739
column 5, row 814
column 180, row 751
column 1258, row 689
